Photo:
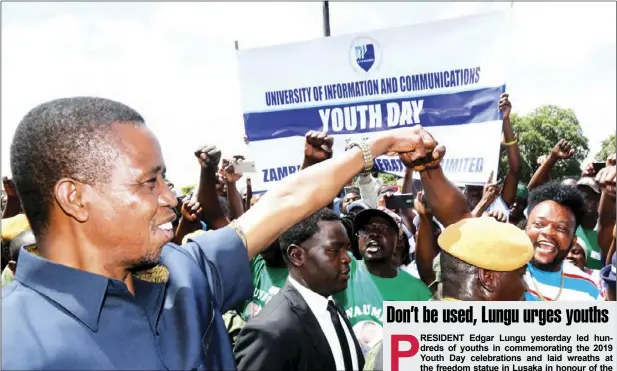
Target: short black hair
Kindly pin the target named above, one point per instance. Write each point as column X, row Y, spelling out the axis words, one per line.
column 64, row 138
column 455, row 274
column 306, row 229
column 566, row 195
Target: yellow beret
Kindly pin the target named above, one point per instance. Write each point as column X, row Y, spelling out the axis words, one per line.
column 193, row 235
column 486, row 243
column 11, row 227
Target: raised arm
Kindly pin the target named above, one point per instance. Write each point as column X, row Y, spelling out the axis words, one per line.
column 209, row 157
column 426, row 243
column 561, row 151
column 489, row 195
column 448, row 204
column 508, row 192
column 190, row 221
column 606, row 218
column 236, row 207
column 300, row 195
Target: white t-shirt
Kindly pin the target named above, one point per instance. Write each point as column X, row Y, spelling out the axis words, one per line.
column 499, row 205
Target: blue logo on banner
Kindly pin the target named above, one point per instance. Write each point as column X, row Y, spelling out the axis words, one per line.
column 365, row 56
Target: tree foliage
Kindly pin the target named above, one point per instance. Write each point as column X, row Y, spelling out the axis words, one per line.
column 538, row 132
column 608, row 148
column 388, row 179
column 188, row 189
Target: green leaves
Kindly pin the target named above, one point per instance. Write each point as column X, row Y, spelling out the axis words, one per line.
column 608, row 148
column 538, row 132
column 188, row 189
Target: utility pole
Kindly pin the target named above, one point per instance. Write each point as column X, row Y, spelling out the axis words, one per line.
column 326, row 19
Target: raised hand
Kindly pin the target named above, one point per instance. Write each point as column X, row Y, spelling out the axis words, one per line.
column 191, row 211
column 491, row 190
column 505, row 106
column 317, row 146
column 499, row 215
column 420, row 204
column 9, row 187
column 589, row 170
column 611, row 160
column 417, row 148
column 209, row 157
column 563, row 150
column 606, row 180
column 229, row 171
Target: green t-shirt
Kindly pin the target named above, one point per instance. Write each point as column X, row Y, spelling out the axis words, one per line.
column 594, row 253
column 267, row 281
column 363, row 300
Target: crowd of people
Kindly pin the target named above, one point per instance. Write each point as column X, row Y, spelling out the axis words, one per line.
column 107, row 266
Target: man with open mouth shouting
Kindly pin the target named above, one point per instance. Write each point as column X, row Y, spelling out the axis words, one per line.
column 376, row 279
column 556, row 210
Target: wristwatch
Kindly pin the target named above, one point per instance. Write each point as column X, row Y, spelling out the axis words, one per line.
column 367, row 157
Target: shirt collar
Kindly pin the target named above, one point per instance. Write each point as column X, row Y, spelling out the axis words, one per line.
column 79, row 292
column 317, row 303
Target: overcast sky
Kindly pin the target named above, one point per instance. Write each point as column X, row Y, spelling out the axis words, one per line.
column 175, row 63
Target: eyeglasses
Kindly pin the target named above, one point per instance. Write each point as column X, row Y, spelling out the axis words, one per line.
column 374, row 228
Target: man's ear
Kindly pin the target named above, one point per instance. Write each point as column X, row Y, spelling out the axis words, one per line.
column 488, row 279
column 69, row 194
column 296, row 255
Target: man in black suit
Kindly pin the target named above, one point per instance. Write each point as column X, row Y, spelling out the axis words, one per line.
column 301, row 328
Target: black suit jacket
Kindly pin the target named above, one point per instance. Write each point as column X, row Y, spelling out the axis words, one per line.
column 285, row 335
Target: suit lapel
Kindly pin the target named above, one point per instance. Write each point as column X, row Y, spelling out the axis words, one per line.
column 353, row 335
column 309, row 323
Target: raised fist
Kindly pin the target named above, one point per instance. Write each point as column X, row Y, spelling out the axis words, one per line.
column 209, row 157
column 505, row 106
column 318, row 146
column 563, row 150
column 191, row 211
column 417, row 148
column 606, row 180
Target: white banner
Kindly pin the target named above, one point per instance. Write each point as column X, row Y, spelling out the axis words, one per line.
column 499, row 336
column 446, row 76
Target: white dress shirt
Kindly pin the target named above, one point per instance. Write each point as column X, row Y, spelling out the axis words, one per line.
column 319, row 306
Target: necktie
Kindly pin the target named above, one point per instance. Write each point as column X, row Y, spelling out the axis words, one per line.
column 341, row 335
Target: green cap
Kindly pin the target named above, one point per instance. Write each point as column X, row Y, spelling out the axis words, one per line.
column 522, row 191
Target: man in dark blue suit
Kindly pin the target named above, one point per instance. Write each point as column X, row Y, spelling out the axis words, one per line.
column 90, row 175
